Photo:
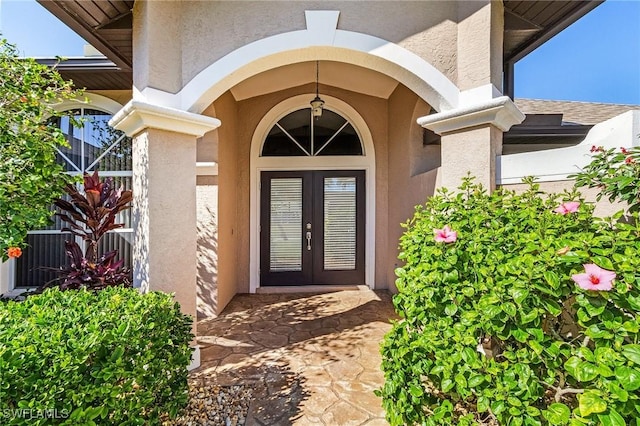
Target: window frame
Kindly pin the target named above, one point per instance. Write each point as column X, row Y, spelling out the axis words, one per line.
column 9, row 269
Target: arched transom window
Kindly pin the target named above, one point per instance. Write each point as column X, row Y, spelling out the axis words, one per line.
column 301, row 134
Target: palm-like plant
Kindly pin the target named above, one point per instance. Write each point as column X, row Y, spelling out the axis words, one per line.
column 90, row 215
column 93, row 214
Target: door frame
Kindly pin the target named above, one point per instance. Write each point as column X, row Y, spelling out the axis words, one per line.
column 259, row 164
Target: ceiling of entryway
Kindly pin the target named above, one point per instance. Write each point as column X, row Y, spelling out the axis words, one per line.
column 336, row 74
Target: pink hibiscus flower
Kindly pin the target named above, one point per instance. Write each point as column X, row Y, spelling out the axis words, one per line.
column 594, row 278
column 445, row 235
column 567, row 207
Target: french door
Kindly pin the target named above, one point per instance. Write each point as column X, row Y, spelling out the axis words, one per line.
column 312, row 227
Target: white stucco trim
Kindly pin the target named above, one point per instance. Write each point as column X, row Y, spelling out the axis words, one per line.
column 500, row 112
column 557, row 164
column 136, row 116
column 321, row 40
column 258, row 164
column 206, row 168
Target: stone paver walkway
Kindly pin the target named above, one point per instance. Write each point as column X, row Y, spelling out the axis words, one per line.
column 316, row 355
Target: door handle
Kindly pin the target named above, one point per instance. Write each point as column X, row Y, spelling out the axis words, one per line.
column 308, row 240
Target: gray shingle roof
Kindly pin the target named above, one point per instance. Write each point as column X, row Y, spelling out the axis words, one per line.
column 573, row 111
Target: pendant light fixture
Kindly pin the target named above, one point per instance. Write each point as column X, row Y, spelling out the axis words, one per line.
column 317, row 103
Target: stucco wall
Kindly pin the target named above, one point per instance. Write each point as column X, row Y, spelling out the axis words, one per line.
column 234, row 177
column 214, row 29
column 225, row 109
column 207, row 250
column 174, row 41
column 164, row 214
column 479, row 41
column 406, row 155
column 157, row 47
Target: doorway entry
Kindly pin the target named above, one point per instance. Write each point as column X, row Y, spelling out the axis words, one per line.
column 307, row 164
column 312, row 227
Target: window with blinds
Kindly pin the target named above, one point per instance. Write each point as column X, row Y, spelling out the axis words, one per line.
column 94, row 146
column 339, row 223
column 286, row 225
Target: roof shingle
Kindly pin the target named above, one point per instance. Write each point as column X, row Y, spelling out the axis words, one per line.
column 574, row 112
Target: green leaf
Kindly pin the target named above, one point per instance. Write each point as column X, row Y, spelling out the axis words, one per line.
column 483, row 404
column 621, row 394
column 603, row 262
column 557, row 414
column 451, row 309
column 590, row 402
column 520, row 335
column 447, row 385
column 498, row 407
column 519, row 295
column 509, row 308
column 476, row 380
column 117, row 353
column 629, row 377
column 632, row 352
column 551, row 278
column 612, row 418
column 415, row 391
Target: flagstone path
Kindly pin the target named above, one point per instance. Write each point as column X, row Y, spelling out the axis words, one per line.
column 313, row 359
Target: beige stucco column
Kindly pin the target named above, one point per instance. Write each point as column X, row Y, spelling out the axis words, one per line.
column 164, row 197
column 472, row 138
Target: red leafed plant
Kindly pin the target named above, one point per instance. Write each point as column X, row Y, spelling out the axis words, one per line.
column 102, row 273
column 90, row 215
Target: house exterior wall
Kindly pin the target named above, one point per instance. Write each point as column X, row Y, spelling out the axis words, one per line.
column 412, row 170
column 176, row 40
column 188, row 58
column 234, row 150
column 228, row 147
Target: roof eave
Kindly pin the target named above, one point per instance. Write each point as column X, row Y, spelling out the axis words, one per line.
column 83, row 30
column 543, row 36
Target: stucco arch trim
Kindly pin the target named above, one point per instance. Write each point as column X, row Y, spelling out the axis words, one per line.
column 321, row 40
column 90, row 100
column 364, row 162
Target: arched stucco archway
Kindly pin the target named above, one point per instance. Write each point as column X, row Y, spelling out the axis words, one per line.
column 320, row 41
column 364, row 162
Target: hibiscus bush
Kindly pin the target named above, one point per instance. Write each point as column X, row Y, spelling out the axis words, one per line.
column 616, row 172
column 30, row 179
column 517, row 309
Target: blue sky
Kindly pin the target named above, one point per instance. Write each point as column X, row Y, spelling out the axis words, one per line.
column 597, row 59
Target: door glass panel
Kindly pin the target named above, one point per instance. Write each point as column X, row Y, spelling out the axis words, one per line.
column 340, row 223
column 286, row 225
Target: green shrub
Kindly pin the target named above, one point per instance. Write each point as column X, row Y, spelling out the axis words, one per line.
column 495, row 328
column 111, row 357
column 615, row 173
